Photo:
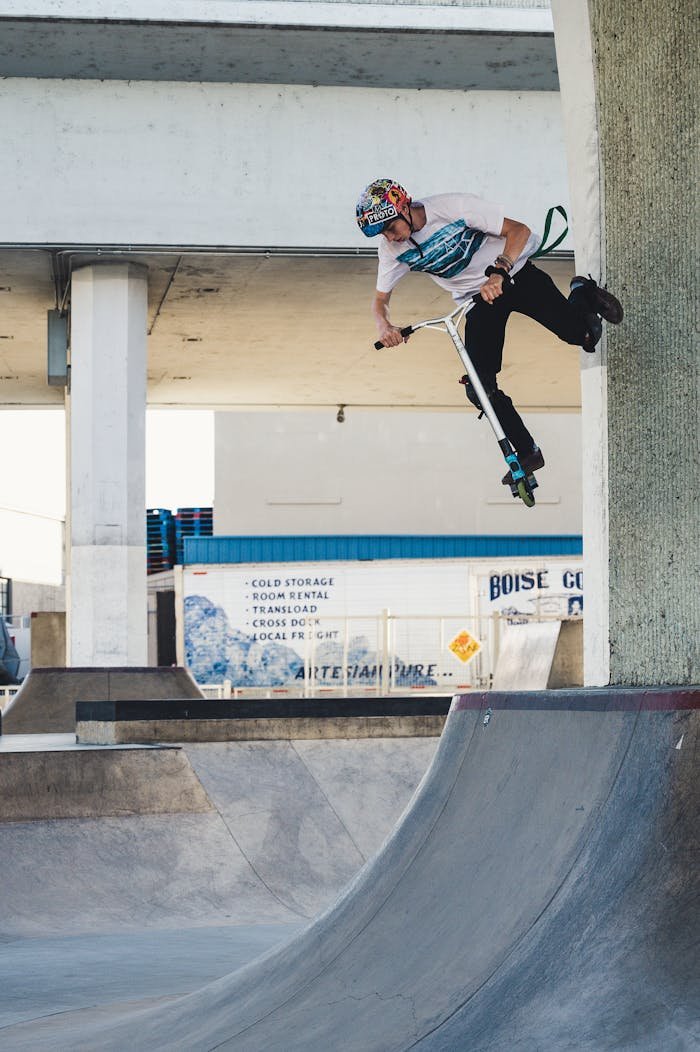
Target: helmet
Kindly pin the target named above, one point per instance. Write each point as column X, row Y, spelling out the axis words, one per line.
column 378, row 204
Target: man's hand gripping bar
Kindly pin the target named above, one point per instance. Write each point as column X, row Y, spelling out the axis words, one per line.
column 404, row 332
column 475, row 299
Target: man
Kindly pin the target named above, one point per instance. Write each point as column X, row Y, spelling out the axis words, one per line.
column 454, row 238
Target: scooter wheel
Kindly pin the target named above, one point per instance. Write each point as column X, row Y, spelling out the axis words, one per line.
column 525, row 494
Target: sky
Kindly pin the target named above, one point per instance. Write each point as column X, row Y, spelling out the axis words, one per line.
column 179, row 473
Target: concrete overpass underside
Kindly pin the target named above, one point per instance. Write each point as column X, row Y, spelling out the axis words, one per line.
column 352, row 44
column 275, row 329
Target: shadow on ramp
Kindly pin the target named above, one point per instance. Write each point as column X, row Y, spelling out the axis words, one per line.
column 538, row 894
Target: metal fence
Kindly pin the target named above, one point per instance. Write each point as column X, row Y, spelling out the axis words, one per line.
column 384, row 655
column 6, row 693
column 388, row 654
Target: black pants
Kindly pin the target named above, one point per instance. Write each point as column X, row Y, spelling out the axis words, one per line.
column 535, row 295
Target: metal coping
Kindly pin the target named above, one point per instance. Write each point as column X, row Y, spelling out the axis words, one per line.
column 614, row 699
column 264, row 709
column 593, row 699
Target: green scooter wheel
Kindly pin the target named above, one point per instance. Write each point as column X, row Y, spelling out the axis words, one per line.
column 525, row 494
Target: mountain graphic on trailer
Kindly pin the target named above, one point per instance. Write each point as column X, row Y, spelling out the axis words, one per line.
column 215, row 651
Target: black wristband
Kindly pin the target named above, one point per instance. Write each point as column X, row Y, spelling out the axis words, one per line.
column 499, row 270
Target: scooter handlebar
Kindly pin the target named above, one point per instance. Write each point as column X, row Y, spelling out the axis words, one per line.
column 404, row 332
column 409, row 328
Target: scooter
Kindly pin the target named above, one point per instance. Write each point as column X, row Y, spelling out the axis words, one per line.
column 521, row 485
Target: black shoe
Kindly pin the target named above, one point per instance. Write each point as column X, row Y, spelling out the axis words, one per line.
column 596, row 303
column 532, row 461
column 598, row 300
column 594, row 331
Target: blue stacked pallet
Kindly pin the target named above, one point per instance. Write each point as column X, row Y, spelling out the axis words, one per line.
column 191, row 522
column 160, row 539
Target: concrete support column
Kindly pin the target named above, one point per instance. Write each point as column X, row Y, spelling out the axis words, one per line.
column 641, row 411
column 106, row 585
column 577, row 88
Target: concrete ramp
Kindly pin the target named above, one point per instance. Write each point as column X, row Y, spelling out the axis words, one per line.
column 567, row 664
column 91, row 783
column 540, row 893
column 526, row 655
column 212, row 834
column 45, row 703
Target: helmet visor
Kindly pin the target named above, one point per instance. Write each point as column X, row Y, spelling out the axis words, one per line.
column 374, row 220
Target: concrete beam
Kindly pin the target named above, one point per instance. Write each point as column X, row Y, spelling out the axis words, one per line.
column 521, row 16
column 395, row 47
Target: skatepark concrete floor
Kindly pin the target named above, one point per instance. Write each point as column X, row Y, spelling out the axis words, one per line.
column 45, row 977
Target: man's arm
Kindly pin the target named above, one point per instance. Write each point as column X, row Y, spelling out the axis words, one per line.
column 516, row 237
column 389, row 334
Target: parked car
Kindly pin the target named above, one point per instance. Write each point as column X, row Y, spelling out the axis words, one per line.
column 9, row 658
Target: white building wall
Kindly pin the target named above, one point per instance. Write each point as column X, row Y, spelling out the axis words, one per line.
column 28, row 597
column 144, row 163
column 387, row 472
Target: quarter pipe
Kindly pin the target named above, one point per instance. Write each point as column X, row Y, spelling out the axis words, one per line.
column 539, row 893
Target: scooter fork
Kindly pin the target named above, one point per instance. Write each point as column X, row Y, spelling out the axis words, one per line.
column 521, row 485
column 519, row 480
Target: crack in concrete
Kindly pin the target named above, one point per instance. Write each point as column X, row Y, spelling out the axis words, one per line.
column 383, row 1000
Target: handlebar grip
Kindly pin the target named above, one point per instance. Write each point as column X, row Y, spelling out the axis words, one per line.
column 404, row 332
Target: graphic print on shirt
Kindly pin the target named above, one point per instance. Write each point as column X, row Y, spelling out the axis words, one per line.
column 447, row 253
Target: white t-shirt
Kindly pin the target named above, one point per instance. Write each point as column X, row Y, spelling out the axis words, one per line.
column 460, row 239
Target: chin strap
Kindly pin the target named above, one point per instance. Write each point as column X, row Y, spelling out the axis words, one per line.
column 410, row 223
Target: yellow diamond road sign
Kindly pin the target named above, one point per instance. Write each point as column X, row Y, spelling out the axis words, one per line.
column 464, row 646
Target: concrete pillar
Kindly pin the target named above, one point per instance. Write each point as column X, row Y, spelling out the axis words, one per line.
column 642, row 64
column 577, row 87
column 106, row 587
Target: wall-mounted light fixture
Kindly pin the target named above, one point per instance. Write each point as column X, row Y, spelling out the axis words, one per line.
column 57, row 342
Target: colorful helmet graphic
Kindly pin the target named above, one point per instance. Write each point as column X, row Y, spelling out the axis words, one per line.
column 378, row 204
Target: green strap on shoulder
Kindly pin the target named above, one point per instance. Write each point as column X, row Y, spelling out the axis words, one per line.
column 541, row 250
